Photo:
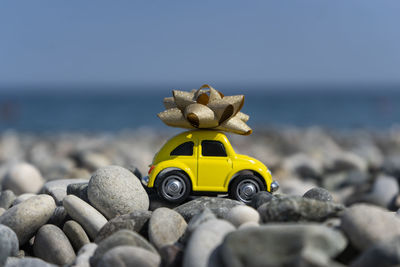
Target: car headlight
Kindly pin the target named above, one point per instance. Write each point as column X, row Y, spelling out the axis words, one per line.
column 145, row 180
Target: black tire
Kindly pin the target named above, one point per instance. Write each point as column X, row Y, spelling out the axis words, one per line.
column 175, row 178
column 237, row 185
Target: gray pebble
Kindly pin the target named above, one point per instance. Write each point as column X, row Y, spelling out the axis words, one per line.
column 76, row 235
column 2, row 211
column 114, row 191
column 84, row 254
column 21, row 198
column 260, row 198
column 219, row 206
column 23, row 178
column 122, row 256
column 88, row 217
column 135, row 221
column 27, row 217
column 196, row 221
column 58, row 188
column 27, row 262
column 7, row 198
column 384, row 190
column 79, row 190
column 9, row 244
column 367, row 225
column 165, row 227
column 53, row 246
column 120, row 238
column 59, row 217
column 318, row 193
column 282, row 245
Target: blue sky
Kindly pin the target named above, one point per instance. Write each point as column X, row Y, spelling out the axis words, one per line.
column 79, row 42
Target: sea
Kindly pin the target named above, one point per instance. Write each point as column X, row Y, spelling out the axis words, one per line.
column 115, row 110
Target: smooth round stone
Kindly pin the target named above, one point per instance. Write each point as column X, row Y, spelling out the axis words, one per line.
column 84, row 254
column 58, row 188
column 53, row 246
column 23, row 178
column 7, row 198
column 195, row 222
column 166, row 227
column 27, row 262
column 384, row 190
column 9, row 244
column 318, row 193
column 120, row 238
column 282, row 245
column 241, row 214
column 115, row 190
column 260, row 198
column 22, row 198
column 249, row 225
column 219, row 206
column 88, row 217
column 367, row 225
column 27, row 217
column 205, row 239
column 136, row 221
column 122, row 256
column 76, row 235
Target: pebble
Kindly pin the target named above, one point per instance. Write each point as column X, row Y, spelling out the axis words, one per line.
column 318, row 193
column 248, row 224
column 120, row 238
column 384, row 190
column 122, row 256
column 115, row 190
column 53, row 246
column 88, row 217
column 302, row 165
column 7, row 198
column 196, row 221
column 282, row 245
column 79, row 190
column 9, row 244
column 219, row 206
column 347, row 161
column 135, row 221
column 295, row 186
column 242, row 214
column 27, row 217
column 166, row 226
column 202, row 243
column 2, row 211
column 293, row 209
column 171, row 255
column 84, row 254
column 260, row 198
column 22, row 198
column 385, row 254
column 59, row 217
column 367, row 225
column 58, row 188
column 27, row 262
column 23, row 178
column 76, row 235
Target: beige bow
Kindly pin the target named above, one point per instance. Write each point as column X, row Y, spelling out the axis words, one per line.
column 205, row 108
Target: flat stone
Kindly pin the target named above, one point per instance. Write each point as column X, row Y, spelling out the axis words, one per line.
column 242, row 214
column 7, row 198
column 135, row 221
column 293, row 209
column 21, row 198
column 282, row 245
column 58, row 188
column 27, row 262
column 27, row 217
column 115, row 191
column 129, row 256
column 120, row 238
column 219, row 206
column 88, row 217
column 53, row 246
column 318, row 193
column 205, row 239
column 76, row 235
column 79, row 190
column 23, row 178
column 9, row 244
column 166, row 226
column 84, row 254
column 367, row 225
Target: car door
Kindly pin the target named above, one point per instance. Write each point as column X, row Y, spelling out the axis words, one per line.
column 214, row 164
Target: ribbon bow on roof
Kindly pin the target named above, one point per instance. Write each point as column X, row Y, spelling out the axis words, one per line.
column 205, row 108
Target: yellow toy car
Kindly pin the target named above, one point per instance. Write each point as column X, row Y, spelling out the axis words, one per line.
column 203, row 161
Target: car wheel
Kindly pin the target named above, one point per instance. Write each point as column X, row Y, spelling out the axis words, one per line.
column 243, row 188
column 174, row 186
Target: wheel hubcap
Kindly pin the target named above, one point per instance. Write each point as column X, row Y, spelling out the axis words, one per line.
column 173, row 187
column 246, row 190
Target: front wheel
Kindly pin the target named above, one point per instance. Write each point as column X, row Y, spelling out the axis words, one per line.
column 243, row 188
column 174, row 187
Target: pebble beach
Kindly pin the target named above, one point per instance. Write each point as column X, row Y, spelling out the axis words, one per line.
column 75, row 199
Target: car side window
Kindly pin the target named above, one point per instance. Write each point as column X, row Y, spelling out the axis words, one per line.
column 212, row 148
column 185, row 149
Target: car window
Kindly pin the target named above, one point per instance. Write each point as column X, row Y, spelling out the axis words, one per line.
column 185, row 149
column 212, row 148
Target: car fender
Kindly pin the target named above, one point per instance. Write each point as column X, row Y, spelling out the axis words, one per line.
column 266, row 176
column 170, row 165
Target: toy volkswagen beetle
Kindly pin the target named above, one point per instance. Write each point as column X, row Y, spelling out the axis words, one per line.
column 204, row 161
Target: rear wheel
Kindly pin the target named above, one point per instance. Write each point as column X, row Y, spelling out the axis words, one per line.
column 244, row 187
column 174, row 186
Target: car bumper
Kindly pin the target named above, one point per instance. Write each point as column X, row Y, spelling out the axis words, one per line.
column 274, row 186
column 145, row 180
